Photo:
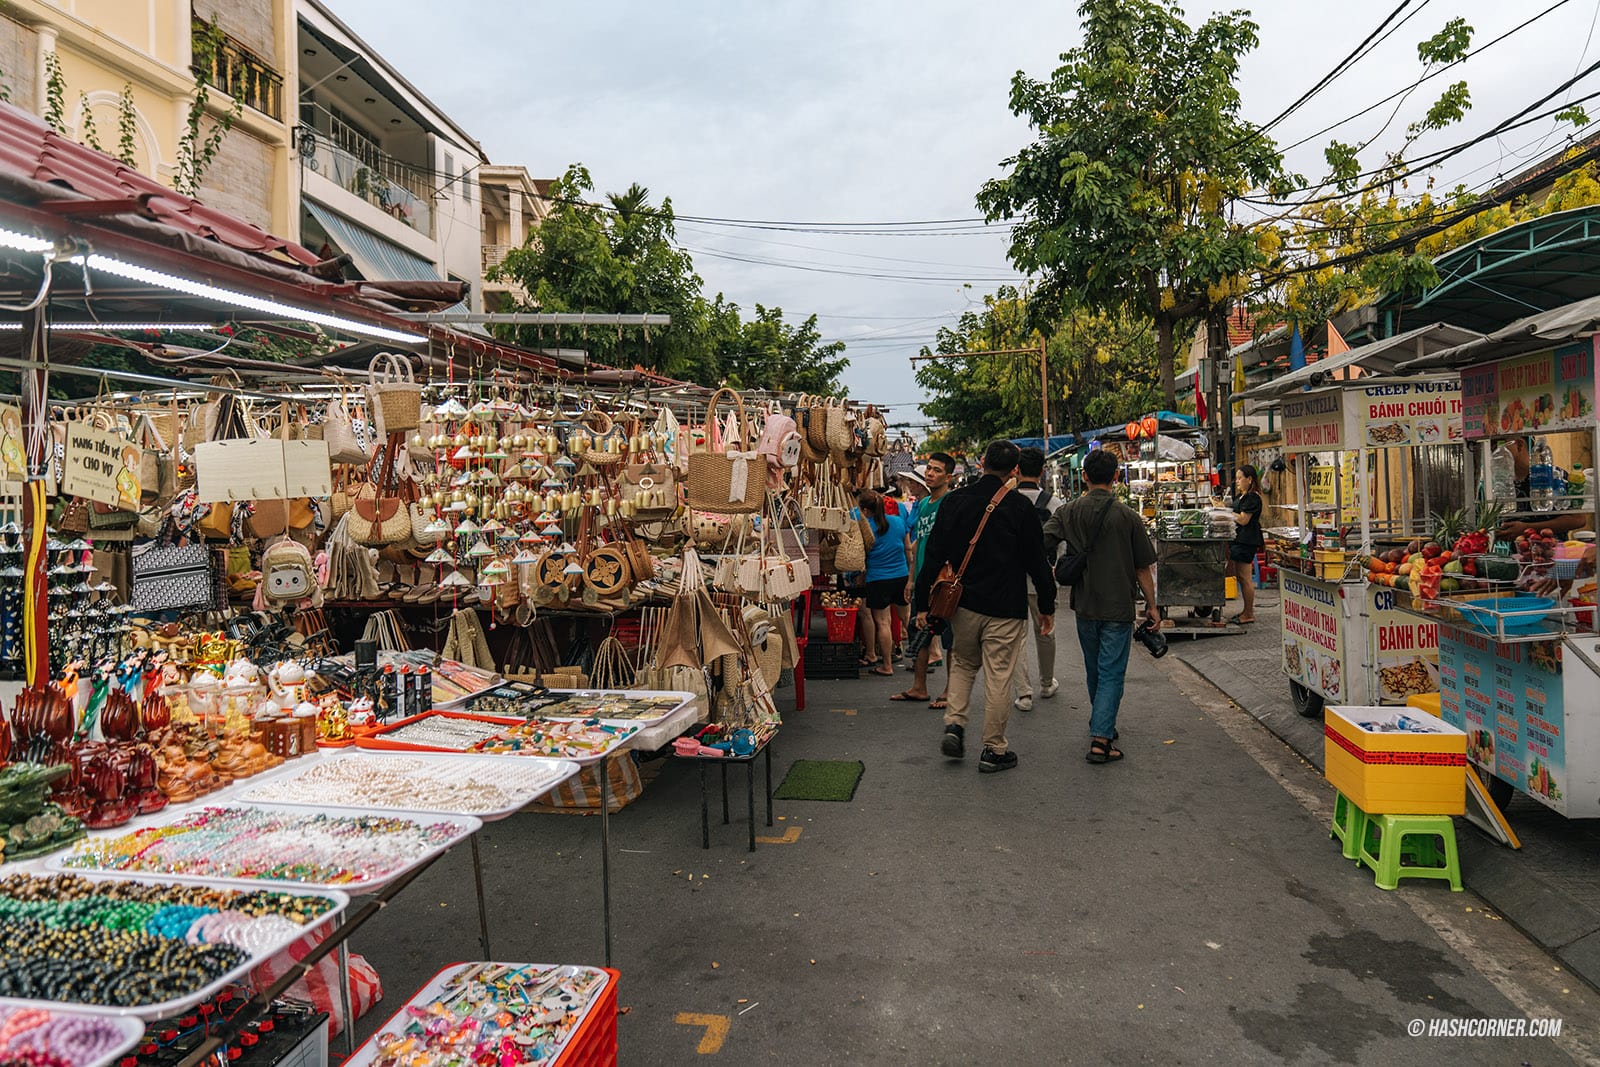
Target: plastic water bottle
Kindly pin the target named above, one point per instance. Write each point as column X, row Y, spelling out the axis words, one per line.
column 1502, row 474
column 1542, row 477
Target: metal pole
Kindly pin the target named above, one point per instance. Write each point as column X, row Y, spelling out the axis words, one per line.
column 605, row 851
column 483, row 911
column 1044, row 393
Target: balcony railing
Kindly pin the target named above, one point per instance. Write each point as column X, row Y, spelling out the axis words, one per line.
column 239, row 72
column 409, row 201
column 494, row 255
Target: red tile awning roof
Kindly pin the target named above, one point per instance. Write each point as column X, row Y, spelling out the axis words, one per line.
column 31, row 149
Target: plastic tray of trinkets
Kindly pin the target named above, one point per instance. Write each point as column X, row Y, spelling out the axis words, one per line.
column 521, row 782
column 440, row 987
column 591, row 704
column 128, row 1029
column 259, row 954
column 464, row 827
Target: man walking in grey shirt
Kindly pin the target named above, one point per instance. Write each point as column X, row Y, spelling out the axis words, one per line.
column 1121, row 558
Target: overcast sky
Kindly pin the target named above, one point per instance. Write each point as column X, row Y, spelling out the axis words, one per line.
column 864, row 111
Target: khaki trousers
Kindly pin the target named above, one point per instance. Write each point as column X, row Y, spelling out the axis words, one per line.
column 993, row 644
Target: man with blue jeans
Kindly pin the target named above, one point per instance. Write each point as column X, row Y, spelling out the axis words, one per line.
column 1121, row 559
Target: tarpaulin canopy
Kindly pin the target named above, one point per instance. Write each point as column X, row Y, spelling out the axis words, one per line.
column 1378, row 357
column 1528, row 334
column 1058, row 441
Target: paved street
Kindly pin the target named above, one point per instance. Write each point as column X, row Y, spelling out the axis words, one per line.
column 1550, row 888
column 1184, row 906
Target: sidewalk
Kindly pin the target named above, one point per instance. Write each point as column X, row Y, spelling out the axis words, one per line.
column 1550, row 888
column 1182, row 906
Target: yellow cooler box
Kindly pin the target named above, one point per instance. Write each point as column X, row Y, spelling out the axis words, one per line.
column 1385, row 770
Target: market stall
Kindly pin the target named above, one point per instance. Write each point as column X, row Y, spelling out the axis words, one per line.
column 1345, row 638
column 280, row 639
column 1518, row 661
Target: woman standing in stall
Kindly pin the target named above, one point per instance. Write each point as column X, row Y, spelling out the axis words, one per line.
column 1247, row 538
column 888, row 564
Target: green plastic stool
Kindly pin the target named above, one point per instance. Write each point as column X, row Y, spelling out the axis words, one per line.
column 1392, row 832
column 1349, row 826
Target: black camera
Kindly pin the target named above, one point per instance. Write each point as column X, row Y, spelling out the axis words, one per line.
column 1153, row 640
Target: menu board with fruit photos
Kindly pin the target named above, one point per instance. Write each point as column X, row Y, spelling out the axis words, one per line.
column 1509, row 699
column 1540, row 393
column 1314, row 635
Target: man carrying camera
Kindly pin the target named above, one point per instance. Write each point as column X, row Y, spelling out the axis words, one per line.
column 1120, row 558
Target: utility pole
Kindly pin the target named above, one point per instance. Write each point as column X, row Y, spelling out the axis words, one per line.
column 1041, row 350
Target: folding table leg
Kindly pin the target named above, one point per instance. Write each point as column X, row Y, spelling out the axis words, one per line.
column 769, row 785
column 750, row 798
column 483, row 911
column 725, row 819
column 705, row 810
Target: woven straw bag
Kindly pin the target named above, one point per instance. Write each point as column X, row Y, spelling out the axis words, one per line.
column 730, row 482
column 852, row 552
column 393, row 394
column 840, row 427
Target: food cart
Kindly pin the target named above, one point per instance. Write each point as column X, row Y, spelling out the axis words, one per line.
column 1346, row 641
column 1519, row 662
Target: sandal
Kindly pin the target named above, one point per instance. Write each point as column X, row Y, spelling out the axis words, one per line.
column 1240, row 620
column 867, row 662
column 910, row 697
column 887, row 673
column 1102, row 750
column 939, row 704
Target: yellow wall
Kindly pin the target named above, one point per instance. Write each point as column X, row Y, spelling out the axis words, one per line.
column 145, row 44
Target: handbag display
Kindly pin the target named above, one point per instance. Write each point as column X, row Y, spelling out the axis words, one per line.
column 338, row 432
column 852, row 552
column 169, row 577
column 378, row 515
column 944, row 600
column 825, row 507
column 394, row 399
column 649, row 489
column 731, row 481
column 840, row 427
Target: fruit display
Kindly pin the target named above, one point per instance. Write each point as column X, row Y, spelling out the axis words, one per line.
column 1425, row 568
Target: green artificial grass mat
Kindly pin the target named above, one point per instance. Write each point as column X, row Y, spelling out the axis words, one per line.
column 820, row 779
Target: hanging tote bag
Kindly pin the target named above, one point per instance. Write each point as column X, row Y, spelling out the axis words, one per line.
column 393, row 396
column 732, row 481
column 650, row 491
column 338, row 430
column 169, row 577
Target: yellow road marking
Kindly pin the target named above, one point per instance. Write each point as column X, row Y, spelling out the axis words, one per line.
column 843, row 711
column 790, row 836
column 716, row 1030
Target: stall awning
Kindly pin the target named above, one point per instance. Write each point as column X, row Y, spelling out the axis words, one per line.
column 1058, row 441
column 376, row 258
column 1379, row 357
column 1544, row 330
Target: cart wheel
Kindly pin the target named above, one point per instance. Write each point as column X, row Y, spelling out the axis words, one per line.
column 1306, row 702
column 1500, row 791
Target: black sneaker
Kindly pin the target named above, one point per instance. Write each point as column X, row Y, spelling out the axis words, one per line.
column 992, row 761
column 954, row 744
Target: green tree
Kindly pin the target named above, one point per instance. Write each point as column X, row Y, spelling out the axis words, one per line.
column 769, row 353
column 625, row 260
column 1139, row 149
column 1102, row 370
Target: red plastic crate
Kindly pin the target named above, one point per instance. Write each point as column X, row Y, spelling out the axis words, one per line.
column 841, row 624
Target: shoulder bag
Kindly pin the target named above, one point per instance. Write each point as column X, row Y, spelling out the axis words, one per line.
column 1071, row 567
column 945, row 598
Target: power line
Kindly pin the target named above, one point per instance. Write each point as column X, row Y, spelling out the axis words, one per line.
column 1433, row 159
column 1427, row 77
column 1328, row 78
column 849, row 273
column 853, row 255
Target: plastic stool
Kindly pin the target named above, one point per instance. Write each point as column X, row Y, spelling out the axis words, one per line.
column 1349, row 826
column 1392, row 833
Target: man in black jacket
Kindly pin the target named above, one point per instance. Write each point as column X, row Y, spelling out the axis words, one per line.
column 989, row 628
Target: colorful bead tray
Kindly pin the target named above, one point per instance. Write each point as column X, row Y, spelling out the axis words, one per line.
column 331, row 848
column 42, row 1037
column 142, row 947
column 583, row 741
column 473, row 785
column 503, row 1014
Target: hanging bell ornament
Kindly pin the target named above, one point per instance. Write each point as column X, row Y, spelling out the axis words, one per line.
column 417, row 442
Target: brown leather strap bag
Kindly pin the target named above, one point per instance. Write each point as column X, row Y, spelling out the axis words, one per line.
column 945, row 598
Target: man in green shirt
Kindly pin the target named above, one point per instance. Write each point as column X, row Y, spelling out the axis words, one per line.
column 936, row 476
column 1121, row 559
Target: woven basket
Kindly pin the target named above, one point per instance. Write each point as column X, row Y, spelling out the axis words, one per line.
column 393, row 394
column 602, row 428
column 731, row 482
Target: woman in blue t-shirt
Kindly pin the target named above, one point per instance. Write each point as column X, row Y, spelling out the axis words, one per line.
column 888, row 564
